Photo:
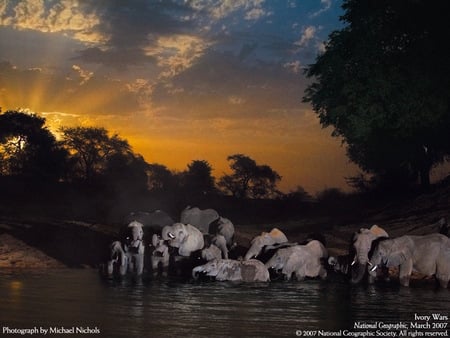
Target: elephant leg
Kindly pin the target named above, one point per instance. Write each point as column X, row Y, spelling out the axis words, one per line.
column 299, row 275
column 322, row 273
column 442, row 278
column 443, row 270
column 155, row 263
column 139, row 264
column 123, row 267
column 405, row 272
column 110, row 267
column 443, row 282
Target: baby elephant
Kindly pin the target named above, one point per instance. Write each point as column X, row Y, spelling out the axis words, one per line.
column 233, row 270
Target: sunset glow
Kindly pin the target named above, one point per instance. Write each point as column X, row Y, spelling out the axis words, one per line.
column 179, row 80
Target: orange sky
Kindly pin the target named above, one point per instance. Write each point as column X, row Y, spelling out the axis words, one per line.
column 200, row 82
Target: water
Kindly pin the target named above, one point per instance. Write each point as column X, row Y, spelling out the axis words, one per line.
column 168, row 308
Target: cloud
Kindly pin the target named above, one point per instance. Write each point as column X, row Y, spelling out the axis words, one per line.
column 326, row 6
column 219, row 9
column 308, row 34
column 177, row 52
column 65, row 16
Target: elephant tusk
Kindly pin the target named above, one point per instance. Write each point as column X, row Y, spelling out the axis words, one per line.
column 353, row 263
column 373, row 268
column 171, row 235
column 370, row 264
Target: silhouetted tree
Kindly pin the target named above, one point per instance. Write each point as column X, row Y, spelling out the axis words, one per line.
column 160, row 178
column 198, row 178
column 126, row 173
column 28, row 149
column 90, row 148
column 383, row 84
column 249, row 179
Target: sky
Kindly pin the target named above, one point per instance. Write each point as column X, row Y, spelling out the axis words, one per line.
column 180, row 80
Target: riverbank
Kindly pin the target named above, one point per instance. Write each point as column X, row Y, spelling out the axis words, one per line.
column 54, row 243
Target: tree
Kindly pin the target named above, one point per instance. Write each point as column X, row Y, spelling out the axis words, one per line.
column 249, row 179
column 126, row 173
column 160, row 178
column 90, row 148
column 383, row 84
column 198, row 178
column 28, row 149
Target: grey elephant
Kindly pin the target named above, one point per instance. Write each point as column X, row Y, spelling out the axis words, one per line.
column 223, row 226
column 118, row 259
column 429, row 255
column 199, row 218
column 185, row 237
column 360, row 247
column 160, row 255
column 275, row 236
column 300, row 261
column 128, row 253
column 234, row 270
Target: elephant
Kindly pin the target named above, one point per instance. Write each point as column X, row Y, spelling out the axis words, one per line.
column 428, row 255
column 185, row 237
column 160, row 255
column 234, row 270
column 155, row 220
column 275, row 236
column 300, row 260
column 118, row 259
column 129, row 252
column 201, row 219
column 134, row 247
column 211, row 252
column 360, row 249
column 269, row 250
column 223, row 226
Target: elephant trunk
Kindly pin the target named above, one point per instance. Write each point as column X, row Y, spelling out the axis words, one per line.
column 358, row 272
column 196, row 271
column 253, row 252
column 167, row 233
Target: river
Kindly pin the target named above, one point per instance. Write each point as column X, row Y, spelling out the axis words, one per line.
column 77, row 302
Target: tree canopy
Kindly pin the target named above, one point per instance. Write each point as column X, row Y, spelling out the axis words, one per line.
column 249, row 179
column 383, row 85
column 28, row 149
column 90, row 148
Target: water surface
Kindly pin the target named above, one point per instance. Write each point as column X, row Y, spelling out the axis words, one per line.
column 171, row 308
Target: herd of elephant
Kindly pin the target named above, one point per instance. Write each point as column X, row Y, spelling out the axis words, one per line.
column 202, row 244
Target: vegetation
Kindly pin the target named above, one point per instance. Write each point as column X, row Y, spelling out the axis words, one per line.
column 383, row 84
column 91, row 173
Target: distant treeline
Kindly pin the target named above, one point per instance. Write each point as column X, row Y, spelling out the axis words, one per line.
column 92, row 175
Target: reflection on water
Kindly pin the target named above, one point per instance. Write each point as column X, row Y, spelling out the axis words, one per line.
column 168, row 308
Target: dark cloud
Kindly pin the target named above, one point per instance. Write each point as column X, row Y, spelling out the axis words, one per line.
column 131, row 26
column 221, row 85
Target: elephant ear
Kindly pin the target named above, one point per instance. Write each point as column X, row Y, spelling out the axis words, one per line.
column 378, row 231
